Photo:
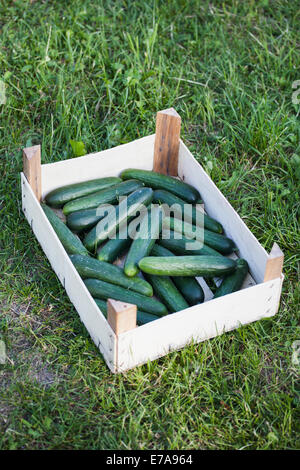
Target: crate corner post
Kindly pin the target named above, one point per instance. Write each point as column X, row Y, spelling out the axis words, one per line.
column 166, row 145
column 32, row 169
column 121, row 317
column 274, row 263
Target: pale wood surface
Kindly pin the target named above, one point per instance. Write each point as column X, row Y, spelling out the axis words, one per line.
column 32, row 169
column 167, row 135
column 94, row 321
column 274, row 263
column 121, row 316
column 136, row 154
column 219, row 208
column 208, row 295
column 197, row 323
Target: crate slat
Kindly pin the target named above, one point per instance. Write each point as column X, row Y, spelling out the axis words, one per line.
column 198, row 323
column 136, row 154
column 220, row 209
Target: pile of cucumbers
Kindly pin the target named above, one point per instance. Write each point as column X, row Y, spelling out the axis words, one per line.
column 108, row 217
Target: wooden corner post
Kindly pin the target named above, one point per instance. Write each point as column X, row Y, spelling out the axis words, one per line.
column 121, row 316
column 274, row 263
column 166, row 146
column 32, row 169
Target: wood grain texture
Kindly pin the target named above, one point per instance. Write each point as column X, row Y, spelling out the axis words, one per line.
column 166, row 146
column 121, row 316
column 32, row 169
column 218, row 207
column 274, row 263
column 90, row 314
column 111, row 162
column 197, row 324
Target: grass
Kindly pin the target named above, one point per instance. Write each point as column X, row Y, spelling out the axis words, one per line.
column 97, row 71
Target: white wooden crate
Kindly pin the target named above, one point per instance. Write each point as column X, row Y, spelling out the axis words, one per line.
column 256, row 300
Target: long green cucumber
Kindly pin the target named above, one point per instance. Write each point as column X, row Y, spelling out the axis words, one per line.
column 141, row 246
column 187, row 265
column 185, row 211
column 92, row 268
column 60, row 196
column 167, row 292
column 87, row 218
column 105, row 290
column 188, row 286
column 159, row 181
column 183, row 245
column 215, row 240
column 106, row 196
column 141, row 317
column 126, row 209
column 114, row 247
column 70, row 242
column 234, row 281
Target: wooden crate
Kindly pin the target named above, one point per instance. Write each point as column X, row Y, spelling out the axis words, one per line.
column 165, row 152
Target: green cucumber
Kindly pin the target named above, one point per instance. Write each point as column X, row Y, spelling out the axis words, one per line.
column 141, row 246
column 141, row 318
column 105, row 290
column 188, row 286
column 187, row 265
column 102, row 305
column 87, row 218
column 60, row 196
column 70, row 242
column 234, row 281
column 192, row 215
column 106, row 196
column 168, row 293
column 159, row 181
column 114, row 247
column 107, row 226
column 169, row 240
column 92, row 268
column 215, row 240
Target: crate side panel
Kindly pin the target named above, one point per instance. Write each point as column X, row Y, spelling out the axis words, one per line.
column 218, row 207
column 136, row 154
column 198, row 323
column 90, row 315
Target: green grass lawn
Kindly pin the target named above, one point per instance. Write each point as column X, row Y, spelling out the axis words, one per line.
column 98, row 71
